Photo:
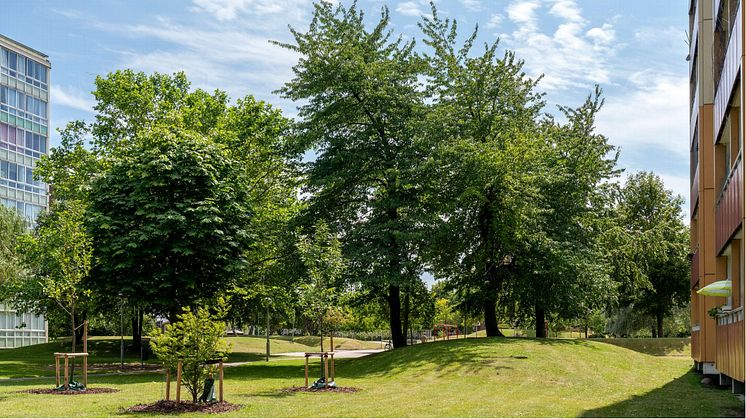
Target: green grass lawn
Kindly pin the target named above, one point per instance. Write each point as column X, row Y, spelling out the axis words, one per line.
column 477, row 377
column 659, row 347
column 38, row 361
column 339, row 343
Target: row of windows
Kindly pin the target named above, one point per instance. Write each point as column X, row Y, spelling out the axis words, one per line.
column 30, row 211
column 35, row 144
column 17, row 173
column 23, row 68
column 17, row 103
column 9, row 320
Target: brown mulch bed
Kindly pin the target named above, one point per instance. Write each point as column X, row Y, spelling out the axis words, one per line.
column 94, row 390
column 169, row 406
column 320, row 390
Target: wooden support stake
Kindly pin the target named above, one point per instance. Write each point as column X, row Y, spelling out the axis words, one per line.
column 326, row 371
column 66, row 372
column 85, row 370
column 331, row 340
column 221, row 381
column 168, row 385
column 332, row 367
column 178, row 383
column 57, row 369
column 306, row 370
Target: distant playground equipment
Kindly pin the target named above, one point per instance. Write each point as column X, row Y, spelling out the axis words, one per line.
column 447, row 329
column 325, row 357
column 208, row 395
column 73, row 385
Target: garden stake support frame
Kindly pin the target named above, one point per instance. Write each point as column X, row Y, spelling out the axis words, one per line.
column 325, row 356
column 178, row 381
column 68, row 355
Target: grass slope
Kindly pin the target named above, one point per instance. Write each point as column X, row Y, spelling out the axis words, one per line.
column 478, row 377
column 658, row 347
column 339, row 343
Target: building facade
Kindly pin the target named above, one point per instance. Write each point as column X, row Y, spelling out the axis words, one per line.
column 716, row 70
column 24, row 138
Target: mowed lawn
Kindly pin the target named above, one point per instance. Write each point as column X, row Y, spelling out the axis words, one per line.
column 38, row 360
column 477, row 377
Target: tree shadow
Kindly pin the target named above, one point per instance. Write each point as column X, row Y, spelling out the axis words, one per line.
column 682, row 397
column 649, row 346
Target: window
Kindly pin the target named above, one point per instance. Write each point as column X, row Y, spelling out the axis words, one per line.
column 4, row 61
column 21, row 65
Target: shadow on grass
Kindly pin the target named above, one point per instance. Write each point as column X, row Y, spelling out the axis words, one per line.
column 648, row 346
column 667, row 401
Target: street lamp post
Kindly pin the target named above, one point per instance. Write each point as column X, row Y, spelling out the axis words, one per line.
column 121, row 341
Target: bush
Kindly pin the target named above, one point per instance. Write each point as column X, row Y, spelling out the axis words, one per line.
column 597, row 336
column 193, row 340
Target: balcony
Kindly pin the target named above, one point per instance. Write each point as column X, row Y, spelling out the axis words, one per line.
column 694, row 194
column 728, row 74
column 729, row 208
column 695, row 268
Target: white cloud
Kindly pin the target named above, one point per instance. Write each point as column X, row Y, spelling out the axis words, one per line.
column 472, row 5
column 571, row 57
column 410, row 8
column 226, row 10
column 651, row 115
column 495, row 21
column 72, row 98
column 604, row 35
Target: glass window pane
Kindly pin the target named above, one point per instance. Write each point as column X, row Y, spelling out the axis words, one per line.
column 12, row 171
column 5, row 57
column 21, row 65
column 36, row 142
column 11, row 98
column 37, row 107
column 11, row 136
column 12, row 60
column 43, row 109
column 4, row 132
column 29, row 176
column 21, row 174
column 43, row 144
column 43, row 74
column 4, row 95
column 29, row 103
column 19, row 207
column 21, row 100
column 29, row 139
column 30, row 65
column 4, row 169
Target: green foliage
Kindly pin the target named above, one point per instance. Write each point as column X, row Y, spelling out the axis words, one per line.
column 12, row 226
column 193, row 340
column 170, row 220
column 363, row 106
column 56, row 256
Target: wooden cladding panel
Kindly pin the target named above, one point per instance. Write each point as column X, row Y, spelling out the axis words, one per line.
column 729, row 210
column 695, row 345
column 729, row 352
column 728, row 75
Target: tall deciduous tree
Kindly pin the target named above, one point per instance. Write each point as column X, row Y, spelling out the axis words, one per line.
column 364, row 105
column 12, row 226
column 483, row 167
column 169, row 219
column 652, row 247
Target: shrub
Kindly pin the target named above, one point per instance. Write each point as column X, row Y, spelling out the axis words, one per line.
column 597, row 336
column 193, row 340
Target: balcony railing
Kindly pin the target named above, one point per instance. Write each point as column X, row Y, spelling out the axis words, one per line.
column 729, row 207
column 727, row 65
column 694, row 193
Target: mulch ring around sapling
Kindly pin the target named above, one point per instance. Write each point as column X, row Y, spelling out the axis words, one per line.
column 94, row 390
column 320, row 390
column 170, row 406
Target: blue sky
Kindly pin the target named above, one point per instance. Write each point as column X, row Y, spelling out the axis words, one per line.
column 634, row 49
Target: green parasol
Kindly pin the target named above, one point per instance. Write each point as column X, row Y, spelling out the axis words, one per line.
column 717, row 289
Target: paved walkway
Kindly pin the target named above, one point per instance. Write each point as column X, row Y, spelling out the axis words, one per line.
column 284, row 357
column 339, row 353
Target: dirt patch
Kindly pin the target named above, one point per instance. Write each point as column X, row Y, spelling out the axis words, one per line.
column 94, row 390
column 169, row 406
column 112, row 367
column 320, row 390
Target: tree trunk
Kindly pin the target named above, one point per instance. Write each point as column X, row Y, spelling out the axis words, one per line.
column 405, row 323
column 79, row 320
column 659, row 319
column 394, row 300
column 540, row 331
column 137, row 329
column 490, row 318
